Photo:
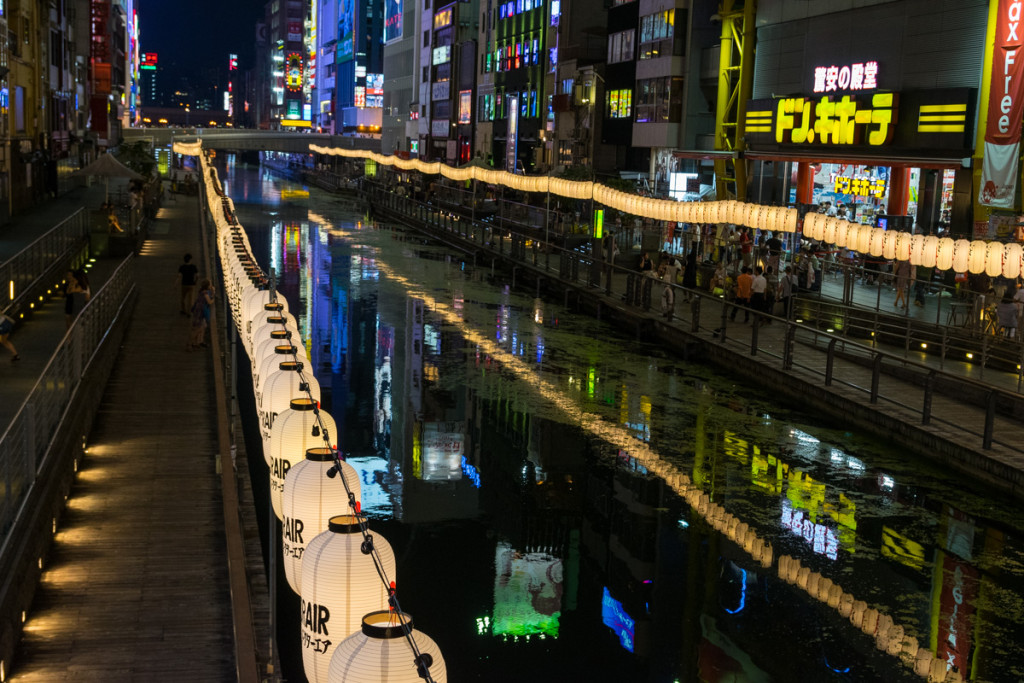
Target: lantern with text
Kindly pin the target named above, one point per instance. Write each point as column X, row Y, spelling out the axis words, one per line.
column 961, row 252
column 295, row 431
column 943, row 253
column 278, row 390
column 340, row 585
column 311, row 498
column 1012, row 260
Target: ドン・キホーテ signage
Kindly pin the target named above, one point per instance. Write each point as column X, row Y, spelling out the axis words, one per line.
column 925, row 122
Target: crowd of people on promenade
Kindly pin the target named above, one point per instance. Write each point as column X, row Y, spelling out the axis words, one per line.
column 763, row 272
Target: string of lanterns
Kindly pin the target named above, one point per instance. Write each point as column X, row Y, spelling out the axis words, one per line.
column 352, row 626
column 961, row 255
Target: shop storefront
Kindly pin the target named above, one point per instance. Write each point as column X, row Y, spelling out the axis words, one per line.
column 853, row 123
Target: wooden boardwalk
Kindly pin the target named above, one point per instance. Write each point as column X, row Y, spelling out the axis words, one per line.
column 136, row 587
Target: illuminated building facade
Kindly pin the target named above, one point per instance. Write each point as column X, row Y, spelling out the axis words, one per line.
column 400, row 115
column 325, row 41
column 447, row 90
column 359, row 64
column 512, row 100
column 286, row 63
column 878, row 128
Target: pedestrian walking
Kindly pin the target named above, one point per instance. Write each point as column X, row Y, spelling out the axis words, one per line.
column 787, row 288
column 6, row 327
column 186, row 279
column 758, row 290
column 76, row 295
column 743, row 284
column 200, row 316
column 669, row 271
column 903, row 274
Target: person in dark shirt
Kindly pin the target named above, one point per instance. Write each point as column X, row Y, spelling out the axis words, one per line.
column 187, row 273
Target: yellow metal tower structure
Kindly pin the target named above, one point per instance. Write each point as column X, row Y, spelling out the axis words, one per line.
column 735, row 83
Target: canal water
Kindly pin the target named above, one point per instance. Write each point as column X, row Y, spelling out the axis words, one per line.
column 495, row 435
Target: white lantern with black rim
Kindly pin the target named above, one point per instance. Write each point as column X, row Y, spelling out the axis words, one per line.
column 288, row 382
column 340, row 585
column 313, row 494
column 294, row 432
column 380, row 653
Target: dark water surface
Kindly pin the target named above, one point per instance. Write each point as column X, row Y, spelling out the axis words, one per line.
column 493, row 432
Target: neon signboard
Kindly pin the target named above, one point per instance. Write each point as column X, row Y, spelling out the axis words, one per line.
column 293, row 72
column 857, row 76
column 860, row 187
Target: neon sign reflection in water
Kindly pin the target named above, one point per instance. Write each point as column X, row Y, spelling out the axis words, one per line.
column 822, row 539
column 527, row 593
column 615, row 617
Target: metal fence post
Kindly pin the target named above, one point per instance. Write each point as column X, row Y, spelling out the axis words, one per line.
column 876, row 373
column 990, row 419
column 829, row 362
column 929, row 388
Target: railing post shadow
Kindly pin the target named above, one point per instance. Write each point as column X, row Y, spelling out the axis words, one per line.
column 829, row 362
column 990, row 419
column 876, row 373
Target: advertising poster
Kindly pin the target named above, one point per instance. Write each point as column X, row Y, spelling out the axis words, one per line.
column 392, row 20
column 465, row 106
column 346, row 30
column 1002, row 131
column 527, row 592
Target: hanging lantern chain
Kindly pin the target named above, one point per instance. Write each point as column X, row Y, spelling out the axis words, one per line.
column 421, row 660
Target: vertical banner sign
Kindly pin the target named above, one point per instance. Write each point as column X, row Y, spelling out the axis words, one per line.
column 1006, row 92
column 512, row 140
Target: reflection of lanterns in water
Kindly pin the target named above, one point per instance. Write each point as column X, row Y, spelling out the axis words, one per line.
column 340, row 584
column 379, row 652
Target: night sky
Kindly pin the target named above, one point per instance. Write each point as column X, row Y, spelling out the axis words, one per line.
column 197, row 33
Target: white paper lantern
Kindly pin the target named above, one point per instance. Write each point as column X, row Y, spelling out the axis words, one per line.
column 976, row 257
column 930, row 251
column 1012, row 260
column 271, row 308
column 290, row 437
column 944, row 254
column 311, row 499
column 253, row 300
column 877, row 241
column 994, row 259
column 889, row 245
column 276, row 393
column 791, row 220
column 814, row 226
column 281, row 353
column 961, row 254
column 902, row 246
column 829, row 233
column 340, row 585
column 863, row 244
column 379, row 653
column 916, row 249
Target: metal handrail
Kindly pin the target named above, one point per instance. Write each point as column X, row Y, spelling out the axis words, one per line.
column 597, row 274
column 24, row 442
column 39, row 259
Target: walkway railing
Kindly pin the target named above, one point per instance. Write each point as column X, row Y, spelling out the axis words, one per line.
column 42, row 261
column 26, row 440
column 881, row 376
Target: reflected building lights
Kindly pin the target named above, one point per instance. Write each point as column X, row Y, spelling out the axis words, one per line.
column 622, row 438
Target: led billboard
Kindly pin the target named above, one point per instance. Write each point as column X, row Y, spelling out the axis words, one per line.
column 392, row 20
column 346, row 30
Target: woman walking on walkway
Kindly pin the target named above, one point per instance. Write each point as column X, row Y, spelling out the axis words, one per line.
column 200, row 316
column 902, row 284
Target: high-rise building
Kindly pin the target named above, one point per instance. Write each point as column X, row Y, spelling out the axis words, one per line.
column 359, row 64
column 401, row 69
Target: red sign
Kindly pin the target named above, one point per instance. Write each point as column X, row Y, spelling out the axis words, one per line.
column 149, row 59
column 1005, row 105
column 956, row 612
